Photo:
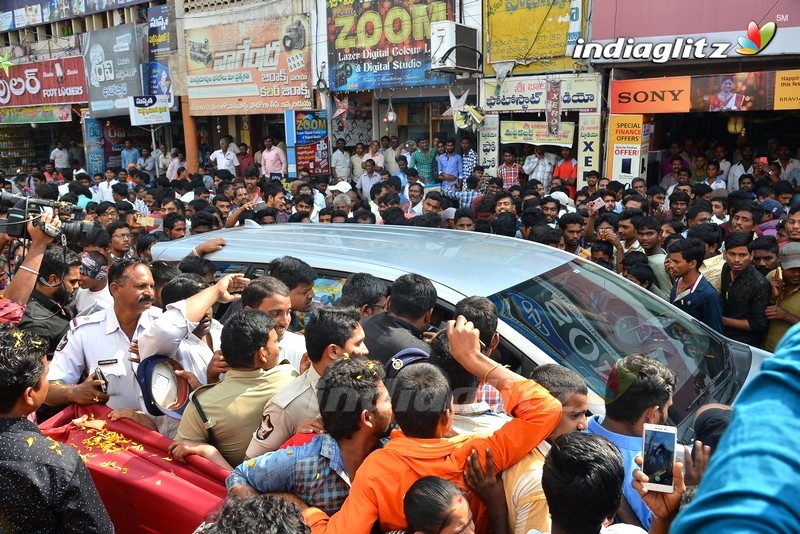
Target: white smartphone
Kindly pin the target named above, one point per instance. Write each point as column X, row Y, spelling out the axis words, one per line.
column 597, row 203
column 658, row 454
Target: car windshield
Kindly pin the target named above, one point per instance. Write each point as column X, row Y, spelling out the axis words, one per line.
column 586, row 319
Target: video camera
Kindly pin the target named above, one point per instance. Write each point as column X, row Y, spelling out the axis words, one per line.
column 23, row 209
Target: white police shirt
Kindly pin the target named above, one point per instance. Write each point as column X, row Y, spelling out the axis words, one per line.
column 97, row 340
column 172, row 336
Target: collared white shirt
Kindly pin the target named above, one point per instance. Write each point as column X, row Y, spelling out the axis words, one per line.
column 104, row 191
column 792, row 165
column 225, row 160
column 172, row 336
column 88, row 302
column 97, row 340
column 292, row 346
column 390, row 159
column 737, row 171
column 60, row 158
column 342, row 164
column 725, row 167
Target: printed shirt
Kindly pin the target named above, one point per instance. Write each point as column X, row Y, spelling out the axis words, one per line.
column 44, row 485
column 315, row 472
column 469, row 160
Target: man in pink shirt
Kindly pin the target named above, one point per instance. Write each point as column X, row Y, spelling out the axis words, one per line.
column 375, row 155
column 272, row 158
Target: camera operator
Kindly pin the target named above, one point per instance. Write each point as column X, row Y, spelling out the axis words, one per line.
column 46, row 313
column 19, row 290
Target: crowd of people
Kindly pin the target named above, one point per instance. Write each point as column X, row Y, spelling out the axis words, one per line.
column 361, row 414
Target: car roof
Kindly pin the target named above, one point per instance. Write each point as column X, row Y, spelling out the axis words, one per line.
column 473, row 263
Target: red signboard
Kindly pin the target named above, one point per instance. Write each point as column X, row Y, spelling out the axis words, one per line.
column 55, row 81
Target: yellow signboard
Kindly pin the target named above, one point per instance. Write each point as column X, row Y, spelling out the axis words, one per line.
column 787, row 89
column 537, row 34
column 536, row 133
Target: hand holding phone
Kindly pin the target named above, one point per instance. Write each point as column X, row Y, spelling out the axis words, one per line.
column 596, row 204
column 100, row 375
column 659, row 443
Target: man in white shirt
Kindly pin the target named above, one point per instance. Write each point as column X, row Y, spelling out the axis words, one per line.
column 175, row 163
column 103, row 341
column 225, row 159
column 720, row 154
column 340, row 162
column 539, row 166
column 390, row 155
column 163, row 160
column 104, row 192
column 146, row 164
column 93, row 294
column 745, row 166
column 273, row 159
column 786, row 161
column 60, row 158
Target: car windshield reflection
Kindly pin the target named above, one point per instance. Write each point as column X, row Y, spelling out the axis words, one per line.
column 586, row 318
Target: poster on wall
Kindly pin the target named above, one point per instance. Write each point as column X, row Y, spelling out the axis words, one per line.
column 112, row 57
column 536, row 133
column 588, row 145
column 36, row 114
column 358, row 126
column 160, row 44
column 55, row 81
column 489, row 144
column 249, row 68
column 375, row 45
column 624, row 147
column 105, row 139
column 307, row 141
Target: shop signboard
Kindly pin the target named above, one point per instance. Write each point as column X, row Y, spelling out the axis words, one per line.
column 249, row 68
column 742, row 91
column 307, row 141
column 55, row 81
column 625, row 138
column 105, row 139
column 536, row 133
column 383, row 44
column 537, row 35
column 160, row 43
column 113, row 69
column 36, row 114
column 18, row 14
column 489, row 145
column 148, row 110
column 525, row 94
column 787, row 90
column 588, row 145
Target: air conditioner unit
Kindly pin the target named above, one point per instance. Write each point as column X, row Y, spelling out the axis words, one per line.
column 455, row 48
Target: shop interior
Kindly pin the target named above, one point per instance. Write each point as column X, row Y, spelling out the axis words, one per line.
column 24, row 145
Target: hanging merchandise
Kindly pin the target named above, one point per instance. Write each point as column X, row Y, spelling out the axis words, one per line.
column 465, row 117
column 342, row 105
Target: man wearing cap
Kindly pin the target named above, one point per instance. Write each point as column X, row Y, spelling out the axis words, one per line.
column 93, row 294
column 772, row 210
column 330, row 334
column 224, row 414
column 784, row 309
column 339, row 188
column 340, row 162
column 448, row 218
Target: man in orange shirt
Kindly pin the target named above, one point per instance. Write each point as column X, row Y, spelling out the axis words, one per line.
column 423, row 407
column 567, row 170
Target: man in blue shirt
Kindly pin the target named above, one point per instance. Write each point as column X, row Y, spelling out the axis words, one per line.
column 129, row 155
column 450, row 165
column 639, row 390
column 691, row 292
column 356, row 411
column 751, row 482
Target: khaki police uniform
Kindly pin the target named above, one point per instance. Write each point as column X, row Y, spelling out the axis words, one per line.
column 233, row 409
column 282, row 414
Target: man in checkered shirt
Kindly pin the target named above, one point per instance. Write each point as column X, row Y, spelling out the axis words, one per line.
column 469, row 158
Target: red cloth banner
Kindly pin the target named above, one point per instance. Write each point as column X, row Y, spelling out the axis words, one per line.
column 142, row 487
column 55, row 81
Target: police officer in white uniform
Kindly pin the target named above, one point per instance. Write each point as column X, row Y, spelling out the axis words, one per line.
column 330, row 334
column 102, row 341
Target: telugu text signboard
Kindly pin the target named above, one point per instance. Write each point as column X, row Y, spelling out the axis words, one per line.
column 536, row 133
column 113, row 69
column 384, row 44
column 149, row 110
column 527, row 93
column 55, row 81
column 249, row 68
